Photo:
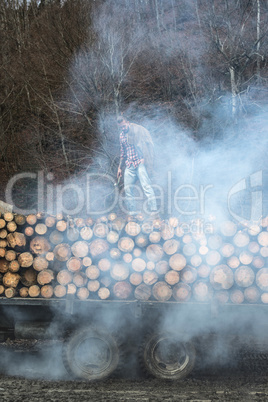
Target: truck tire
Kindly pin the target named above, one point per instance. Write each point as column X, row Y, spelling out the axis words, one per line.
column 90, row 353
column 166, row 356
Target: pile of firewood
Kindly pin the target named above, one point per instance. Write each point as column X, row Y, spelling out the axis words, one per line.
column 110, row 258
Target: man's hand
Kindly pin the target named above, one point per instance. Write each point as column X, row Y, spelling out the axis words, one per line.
column 119, row 172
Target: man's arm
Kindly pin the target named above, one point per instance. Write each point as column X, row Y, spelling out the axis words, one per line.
column 122, row 157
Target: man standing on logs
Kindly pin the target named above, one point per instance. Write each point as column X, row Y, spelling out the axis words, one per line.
column 136, row 148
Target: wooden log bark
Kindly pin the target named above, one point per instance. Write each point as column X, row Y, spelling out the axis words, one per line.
column 122, row 290
column 142, row 292
column 182, row 292
column 162, row 291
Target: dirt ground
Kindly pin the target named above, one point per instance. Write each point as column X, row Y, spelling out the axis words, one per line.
column 37, row 374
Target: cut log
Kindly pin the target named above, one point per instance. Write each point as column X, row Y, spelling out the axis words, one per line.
column 119, row 271
column 196, row 260
column 122, row 290
column 40, row 263
column 11, row 226
column 177, row 262
column 233, row 262
column 2, row 252
column 92, row 272
column 138, row 264
column 179, row 232
column 98, row 247
column 258, row 262
column 127, row 258
column 11, row 280
column 201, row 291
column 104, row 264
column 14, row 266
column 39, row 245
column 154, row 252
column 236, row 296
column 112, row 237
column 61, row 226
column 132, row 229
column 29, row 231
column 264, row 298
column 228, row 228
column 142, row 292
column 262, row 279
column 188, row 275
column 104, row 293
column 162, row 291
column 147, row 227
column 227, row 250
column 106, row 281
column 3, row 233
column 241, row 239
column 252, row 294
column 73, row 233
column 182, row 292
column 173, row 222
column 80, row 249
column 213, row 257
column 204, row 271
column 263, row 239
column 141, row 240
column 50, row 221
column 20, row 219
column 100, row 230
column 264, row 252
column 64, row 277
column 115, row 253
column 253, row 229
column 187, row 238
column 2, row 223
column 167, row 231
column 161, row 267
column 82, row 293
column 40, row 229
column 2, row 289
column 150, row 265
column 87, row 261
column 214, row 242
column 45, row 277
column 112, row 216
column 50, row 256
column 71, row 289
column 34, row 291
column 221, row 277
column 16, row 239
column 172, row 277
column 155, row 237
column 189, row 249
column 93, row 286
column 118, row 224
column 80, row 222
column 86, row 233
column 28, row 277
column 171, row 246
column 25, row 259
column 62, row 252
column 80, row 279
column 203, row 250
column 137, row 252
column 3, row 266
column 74, row 264
column 245, row 257
column 126, row 244
column 244, row 276
column 10, row 292
column 47, row 291
column 24, row 292
column 149, row 277
column 31, row 219
column 221, row 296
column 3, row 243
column 10, row 255
column 56, row 237
column 157, row 223
column 135, row 278
column 89, row 221
column 60, row 291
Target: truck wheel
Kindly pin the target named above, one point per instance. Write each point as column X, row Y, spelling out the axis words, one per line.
column 166, row 356
column 91, row 353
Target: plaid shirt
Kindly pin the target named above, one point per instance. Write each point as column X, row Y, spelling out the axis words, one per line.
column 129, row 151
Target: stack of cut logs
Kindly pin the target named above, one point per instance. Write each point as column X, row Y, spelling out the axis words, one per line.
column 110, row 258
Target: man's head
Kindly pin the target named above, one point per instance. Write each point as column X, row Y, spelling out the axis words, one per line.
column 123, row 124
